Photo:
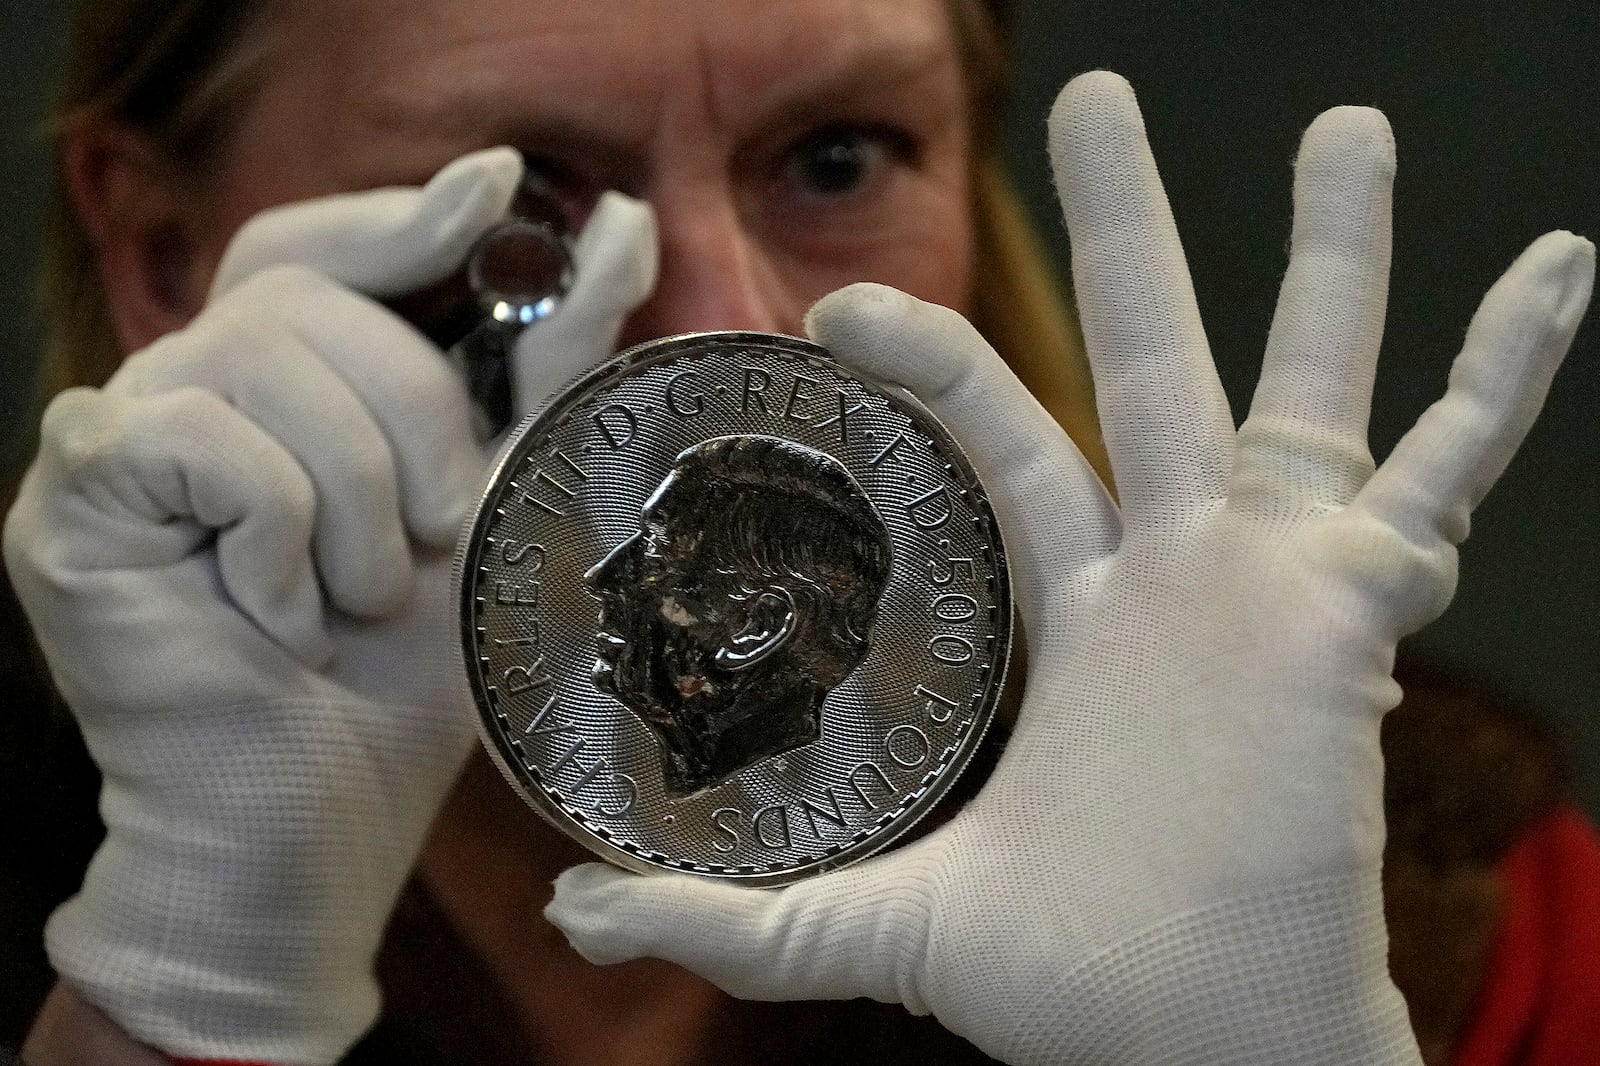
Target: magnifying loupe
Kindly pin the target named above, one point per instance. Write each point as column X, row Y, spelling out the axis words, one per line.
column 518, row 273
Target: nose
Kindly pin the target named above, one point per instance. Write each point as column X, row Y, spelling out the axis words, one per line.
column 716, row 273
column 605, row 575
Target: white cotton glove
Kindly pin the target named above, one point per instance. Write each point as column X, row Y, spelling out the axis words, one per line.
column 235, row 556
column 1177, row 858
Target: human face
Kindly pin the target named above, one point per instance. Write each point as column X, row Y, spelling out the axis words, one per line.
column 788, row 147
column 663, row 616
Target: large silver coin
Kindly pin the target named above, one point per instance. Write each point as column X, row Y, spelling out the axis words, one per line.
column 730, row 610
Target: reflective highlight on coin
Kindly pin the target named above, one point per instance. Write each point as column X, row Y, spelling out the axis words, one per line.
column 730, row 610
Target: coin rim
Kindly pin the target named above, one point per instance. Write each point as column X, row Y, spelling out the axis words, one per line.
column 917, row 802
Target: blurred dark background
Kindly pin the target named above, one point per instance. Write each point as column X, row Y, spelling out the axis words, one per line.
column 1495, row 110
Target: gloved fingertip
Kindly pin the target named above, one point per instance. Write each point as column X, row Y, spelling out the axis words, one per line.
column 923, row 346
column 443, row 530
column 1097, row 146
column 381, row 242
column 1092, row 84
column 460, row 202
column 860, row 299
column 620, row 230
column 1094, row 93
column 1571, row 257
column 496, row 171
column 615, row 212
column 1345, row 118
column 1556, row 272
column 1579, row 282
column 578, row 885
column 583, row 908
column 439, row 522
column 1342, row 134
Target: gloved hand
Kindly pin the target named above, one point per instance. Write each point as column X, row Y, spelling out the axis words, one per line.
column 235, row 556
column 1177, row 858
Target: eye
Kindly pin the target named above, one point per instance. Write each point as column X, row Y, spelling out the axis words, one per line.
column 839, row 160
column 653, row 540
column 555, row 192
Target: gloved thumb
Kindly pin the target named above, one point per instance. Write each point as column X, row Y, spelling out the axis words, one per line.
column 1055, row 512
column 855, row 932
column 381, row 242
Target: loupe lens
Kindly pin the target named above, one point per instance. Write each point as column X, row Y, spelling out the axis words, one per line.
column 519, row 271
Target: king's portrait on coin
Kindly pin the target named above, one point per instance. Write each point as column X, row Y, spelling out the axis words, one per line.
column 747, row 595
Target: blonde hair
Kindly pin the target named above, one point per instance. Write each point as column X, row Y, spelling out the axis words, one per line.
column 1019, row 303
column 179, row 70
column 174, row 70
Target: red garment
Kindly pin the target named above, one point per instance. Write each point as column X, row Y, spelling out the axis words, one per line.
column 1540, row 1004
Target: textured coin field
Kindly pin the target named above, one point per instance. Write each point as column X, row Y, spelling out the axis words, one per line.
column 602, row 499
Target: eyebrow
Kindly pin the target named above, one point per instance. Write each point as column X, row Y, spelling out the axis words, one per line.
column 854, row 72
column 611, row 136
column 491, row 112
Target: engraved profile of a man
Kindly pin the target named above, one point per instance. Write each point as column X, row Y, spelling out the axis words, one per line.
column 748, row 594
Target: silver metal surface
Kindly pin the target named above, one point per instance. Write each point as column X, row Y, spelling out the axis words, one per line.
column 729, row 610
column 520, row 271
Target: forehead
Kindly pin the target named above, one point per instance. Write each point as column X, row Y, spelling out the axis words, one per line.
column 621, row 60
column 365, row 92
column 745, row 34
